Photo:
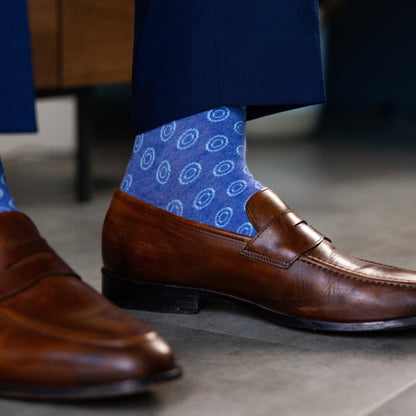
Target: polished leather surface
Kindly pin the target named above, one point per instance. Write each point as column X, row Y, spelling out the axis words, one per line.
column 288, row 267
column 58, row 332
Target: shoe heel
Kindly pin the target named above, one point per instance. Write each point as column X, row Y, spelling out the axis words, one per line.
column 132, row 294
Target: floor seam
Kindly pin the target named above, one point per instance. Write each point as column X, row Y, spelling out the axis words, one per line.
column 388, row 399
column 208, row 331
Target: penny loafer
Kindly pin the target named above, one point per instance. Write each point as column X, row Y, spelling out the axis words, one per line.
column 59, row 338
column 155, row 260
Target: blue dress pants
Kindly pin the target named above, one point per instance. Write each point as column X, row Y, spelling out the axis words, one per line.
column 190, row 56
column 16, row 81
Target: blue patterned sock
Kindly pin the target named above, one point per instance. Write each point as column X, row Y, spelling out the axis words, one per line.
column 6, row 201
column 196, row 167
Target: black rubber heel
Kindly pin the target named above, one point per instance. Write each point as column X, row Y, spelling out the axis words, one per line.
column 133, row 294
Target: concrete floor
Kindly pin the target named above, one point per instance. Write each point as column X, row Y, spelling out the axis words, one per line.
column 235, row 363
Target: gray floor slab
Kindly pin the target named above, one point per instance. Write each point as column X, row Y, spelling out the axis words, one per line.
column 399, row 403
column 228, row 375
column 317, row 374
column 236, row 363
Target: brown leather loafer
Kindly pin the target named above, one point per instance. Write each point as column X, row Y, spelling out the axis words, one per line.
column 155, row 260
column 59, row 339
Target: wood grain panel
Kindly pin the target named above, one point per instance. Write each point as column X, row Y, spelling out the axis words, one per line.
column 97, row 41
column 43, row 20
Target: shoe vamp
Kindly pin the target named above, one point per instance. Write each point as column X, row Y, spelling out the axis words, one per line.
column 329, row 256
column 66, row 305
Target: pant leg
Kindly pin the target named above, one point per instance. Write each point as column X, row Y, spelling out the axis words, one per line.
column 193, row 55
column 16, row 81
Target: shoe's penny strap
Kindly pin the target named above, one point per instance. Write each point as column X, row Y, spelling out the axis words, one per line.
column 283, row 240
column 282, row 236
column 25, row 257
column 27, row 266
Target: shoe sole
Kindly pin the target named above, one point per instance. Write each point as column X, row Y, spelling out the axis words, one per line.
column 94, row 392
column 133, row 294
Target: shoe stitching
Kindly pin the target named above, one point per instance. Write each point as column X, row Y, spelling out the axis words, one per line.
column 282, row 214
column 363, row 278
column 266, row 259
column 356, row 272
column 259, row 256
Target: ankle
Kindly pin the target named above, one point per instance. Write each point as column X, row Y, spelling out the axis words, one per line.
column 196, row 168
column 6, row 201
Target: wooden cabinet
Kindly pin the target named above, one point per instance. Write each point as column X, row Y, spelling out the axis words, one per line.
column 43, row 19
column 77, row 43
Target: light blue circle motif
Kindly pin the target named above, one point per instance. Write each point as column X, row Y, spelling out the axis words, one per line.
column 190, row 173
column 204, row 198
column 167, row 131
column 246, row 171
column 245, row 229
column 127, row 181
column 175, row 207
column 223, row 168
column 239, row 127
column 216, row 143
column 187, row 139
column 223, row 217
column 1, row 193
column 3, row 179
column 163, row 172
column 241, row 150
column 218, row 114
column 138, row 143
column 12, row 204
column 258, row 185
column 236, row 188
column 147, row 159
